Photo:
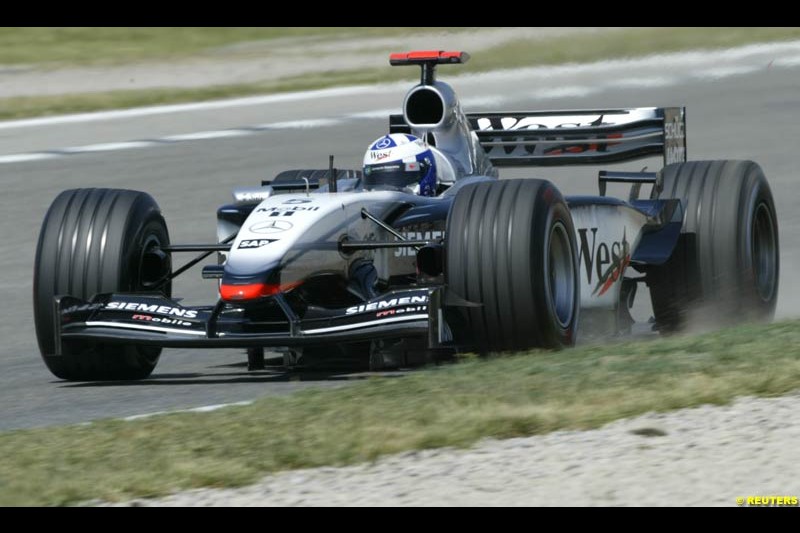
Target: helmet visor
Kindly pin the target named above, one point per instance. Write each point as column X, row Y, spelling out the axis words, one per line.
column 395, row 175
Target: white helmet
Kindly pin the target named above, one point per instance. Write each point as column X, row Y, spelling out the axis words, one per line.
column 400, row 161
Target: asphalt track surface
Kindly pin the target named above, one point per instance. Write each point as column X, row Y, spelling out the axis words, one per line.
column 738, row 108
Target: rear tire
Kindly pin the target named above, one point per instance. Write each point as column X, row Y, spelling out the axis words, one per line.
column 510, row 246
column 725, row 268
column 97, row 241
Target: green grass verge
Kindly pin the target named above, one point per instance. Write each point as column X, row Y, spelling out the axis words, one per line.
column 521, row 53
column 118, row 45
column 452, row 405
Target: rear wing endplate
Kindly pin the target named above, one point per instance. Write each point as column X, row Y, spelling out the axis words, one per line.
column 586, row 137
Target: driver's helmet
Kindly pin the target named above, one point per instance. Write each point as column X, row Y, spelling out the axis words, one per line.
column 400, row 162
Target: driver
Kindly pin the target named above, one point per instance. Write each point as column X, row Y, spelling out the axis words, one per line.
column 400, row 162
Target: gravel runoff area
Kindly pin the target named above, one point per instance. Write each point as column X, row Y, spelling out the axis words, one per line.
column 706, row 456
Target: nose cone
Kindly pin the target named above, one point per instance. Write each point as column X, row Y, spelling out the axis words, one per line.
column 238, row 288
column 253, row 291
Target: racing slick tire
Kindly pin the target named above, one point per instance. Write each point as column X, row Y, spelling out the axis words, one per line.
column 97, row 241
column 725, row 267
column 511, row 249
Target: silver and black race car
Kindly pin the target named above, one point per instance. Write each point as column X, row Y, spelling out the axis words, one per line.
column 314, row 262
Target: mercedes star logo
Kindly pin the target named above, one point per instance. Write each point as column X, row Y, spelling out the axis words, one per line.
column 271, row 226
column 383, row 143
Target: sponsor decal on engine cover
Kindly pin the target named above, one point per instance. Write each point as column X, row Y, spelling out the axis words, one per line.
column 391, row 303
column 605, row 260
column 154, row 308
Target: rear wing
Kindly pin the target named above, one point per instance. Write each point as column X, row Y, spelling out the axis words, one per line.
column 586, row 137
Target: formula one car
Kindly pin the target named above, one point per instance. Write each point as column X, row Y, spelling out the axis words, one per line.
column 331, row 262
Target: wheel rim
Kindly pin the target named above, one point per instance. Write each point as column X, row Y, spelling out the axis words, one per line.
column 764, row 252
column 154, row 264
column 560, row 275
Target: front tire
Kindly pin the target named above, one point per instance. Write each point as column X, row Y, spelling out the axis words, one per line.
column 725, row 267
column 97, row 241
column 510, row 247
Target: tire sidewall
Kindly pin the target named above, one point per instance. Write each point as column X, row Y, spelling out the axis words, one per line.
column 759, row 195
column 556, row 213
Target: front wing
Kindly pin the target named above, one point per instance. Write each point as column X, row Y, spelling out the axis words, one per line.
column 155, row 320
